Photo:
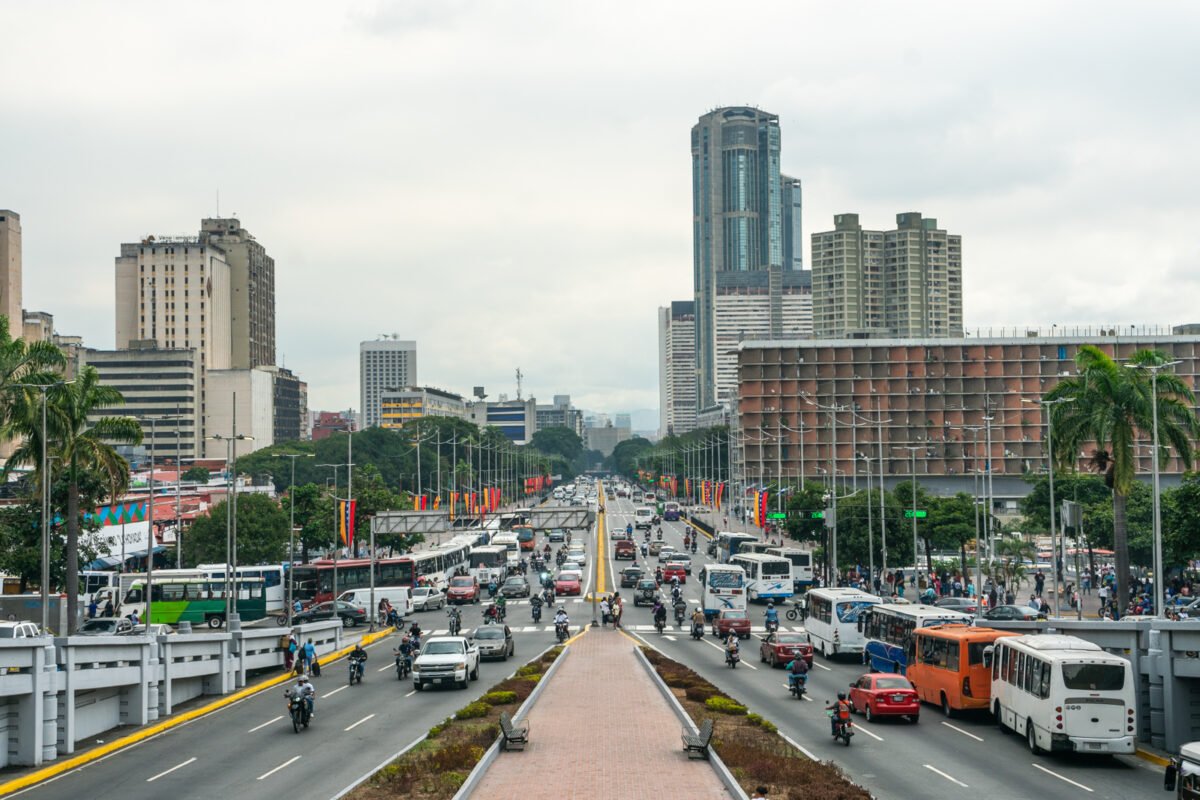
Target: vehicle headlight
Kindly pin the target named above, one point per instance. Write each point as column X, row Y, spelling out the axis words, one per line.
column 461, row 665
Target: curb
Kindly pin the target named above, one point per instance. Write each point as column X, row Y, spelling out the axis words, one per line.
column 360, row 781
column 481, row 767
column 95, row 754
column 1153, row 758
column 723, row 773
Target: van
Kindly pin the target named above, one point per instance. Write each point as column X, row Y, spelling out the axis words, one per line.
column 398, row 596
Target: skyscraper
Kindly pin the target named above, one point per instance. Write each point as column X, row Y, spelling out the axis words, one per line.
column 792, row 206
column 905, row 282
column 252, row 297
column 676, row 368
column 383, row 364
column 10, row 271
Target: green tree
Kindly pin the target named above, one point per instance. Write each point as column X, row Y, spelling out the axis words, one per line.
column 951, row 525
column 625, row 453
column 262, row 532
column 1112, row 406
column 23, row 362
column 197, row 475
column 314, row 518
column 558, row 440
column 1181, row 521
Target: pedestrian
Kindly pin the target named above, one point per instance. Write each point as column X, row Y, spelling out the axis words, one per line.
column 618, row 609
column 1009, row 597
column 604, row 612
column 108, row 608
column 1039, row 582
column 310, row 655
column 289, row 652
column 91, row 612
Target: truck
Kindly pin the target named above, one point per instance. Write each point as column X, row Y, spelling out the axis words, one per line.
column 446, row 660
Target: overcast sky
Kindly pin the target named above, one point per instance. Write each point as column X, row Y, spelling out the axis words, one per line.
column 508, row 183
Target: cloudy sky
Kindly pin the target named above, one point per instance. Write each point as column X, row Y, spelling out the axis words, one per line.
column 508, row 182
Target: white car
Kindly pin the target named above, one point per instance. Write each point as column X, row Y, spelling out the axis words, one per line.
column 427, row 598
column 18, row 630
column 445, row 660
column 578, row 556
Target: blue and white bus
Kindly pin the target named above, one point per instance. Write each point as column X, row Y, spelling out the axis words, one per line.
column 722, row 588
column 768, row 577
column 802, row 565
column 729, row 542
column 833, row 617
column 888, row 629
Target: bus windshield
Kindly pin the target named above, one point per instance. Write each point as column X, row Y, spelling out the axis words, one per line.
column 1094, row 677
column 850, row 611
column 725, row 580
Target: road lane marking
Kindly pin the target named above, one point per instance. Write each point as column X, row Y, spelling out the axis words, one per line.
column 386, row 666
column 265, row 724
column 950, row 778
column 1062, row 778
column 178, row 766
column 410, row 694
column 858, row 726
column 335, row 691
column 360, row 722
column 960, row 730
column 287, row 763
column 822, row 666
column 669, row 637
column 722, row 649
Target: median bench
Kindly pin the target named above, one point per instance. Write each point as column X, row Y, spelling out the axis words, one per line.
column 696, row 746
column 512, row 737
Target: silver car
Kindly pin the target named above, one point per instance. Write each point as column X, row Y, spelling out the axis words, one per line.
column 427, row 598
column 493, row 641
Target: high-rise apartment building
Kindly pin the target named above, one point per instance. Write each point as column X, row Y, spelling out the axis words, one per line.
column 746, row 316
column 10, row 271
column 905, row 282
column 560, row 414
column 676, row 368
column 383, row 364
column 252, row 291
column 398, row 406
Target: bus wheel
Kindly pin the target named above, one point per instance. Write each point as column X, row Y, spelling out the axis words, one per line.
column 215, row 621
column 1031, row 737
column 946, row 709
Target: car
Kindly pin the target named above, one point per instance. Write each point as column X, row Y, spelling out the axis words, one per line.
column 107, row 626
column 577, row 555
column 645, row 592
column 780, row 647
column 18, row 630
column 967, row 605
column 577, row 574
column 446, row 660
column 1009, row 613
column 674, row 570
column 427, row 598
column 883, row 694
column 656, row 547
column 157, row 629
column 618, row 534
column 516, row 586
column 680, row 558
column 571, row 566
column 493, row 641
column 731, row 620
column 630, row 577
column 625, row 549
column 664, row 553
column 463, row 589
column 556, row 535
column 350, row 614
column 567, row 584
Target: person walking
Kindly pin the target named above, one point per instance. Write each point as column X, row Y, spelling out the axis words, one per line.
column 289, row 651
column 604, row 612
column 310, row 655
column 618, row 608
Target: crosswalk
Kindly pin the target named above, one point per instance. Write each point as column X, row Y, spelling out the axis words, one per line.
column 639, row 628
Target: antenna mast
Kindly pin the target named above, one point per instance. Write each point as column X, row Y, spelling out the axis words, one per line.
column 519, row 376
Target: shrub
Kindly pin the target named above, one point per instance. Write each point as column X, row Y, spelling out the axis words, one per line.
column 529, row 669
column 550, row 655
column 472, row 711
column 521, row 687
column 451, row 781
column 724, row 705
column 699, row 693
column 436, row 730
column 500, row 698
column 765, row 724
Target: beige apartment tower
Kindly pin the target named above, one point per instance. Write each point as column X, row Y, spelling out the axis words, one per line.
column 905, row 282
column 10, row 271
column 252, row 291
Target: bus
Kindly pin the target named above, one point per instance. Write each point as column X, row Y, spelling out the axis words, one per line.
column 947, row 666
column 722, row 588
column 1064, row 693
column 729, row 543
column 802, row 565
column 767, row 577
column 671, row 512
column 832, row 622
column 92, row 581
column 194, row 600
column 889, row 627
column 314, row 581
column 274, row 577
column 524, row 537
column 488, row 562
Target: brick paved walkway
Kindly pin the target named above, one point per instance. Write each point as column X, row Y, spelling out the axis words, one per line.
column 601, row 729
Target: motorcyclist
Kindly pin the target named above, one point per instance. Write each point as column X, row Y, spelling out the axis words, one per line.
column 772, row 617
column 797, row 671
column 491, row 587
column 358, row 656
column 304, row 691
column 645, row 551
column 629, row 529
column 502, row 606
column 732, row 647
column 680, row 610
column 560, row 620
column 455, row 619
column 694, row 544
column 841, row 713
column 404, row 651
column 675, row 593
column 536, row 603
column 414, row 631
column 658, row 575
column 660, row 614
column 658, row 533
column 698, row 619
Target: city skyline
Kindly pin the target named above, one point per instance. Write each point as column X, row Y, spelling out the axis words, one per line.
column 1055, row 182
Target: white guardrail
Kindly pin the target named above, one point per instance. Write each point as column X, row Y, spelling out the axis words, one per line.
column 56, row 691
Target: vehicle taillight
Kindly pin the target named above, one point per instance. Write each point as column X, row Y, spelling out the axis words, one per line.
column 966, row 687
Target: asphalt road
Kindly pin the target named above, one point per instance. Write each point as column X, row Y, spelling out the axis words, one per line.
column 936, row 757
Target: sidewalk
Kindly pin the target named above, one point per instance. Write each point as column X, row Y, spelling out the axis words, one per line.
column 601, row 730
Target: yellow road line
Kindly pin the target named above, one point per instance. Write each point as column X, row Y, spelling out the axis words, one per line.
column 59, row 767
column 1152, row 757
column 601, row 553
column 698, row 530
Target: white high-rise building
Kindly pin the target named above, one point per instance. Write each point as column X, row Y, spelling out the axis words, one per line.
column 383, row 364
column 676, row 368
column 747, row 317
column 10, row 271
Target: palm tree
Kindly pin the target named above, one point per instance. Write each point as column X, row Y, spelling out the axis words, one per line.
column 23, row 362
column 1111, row 406
column 83, row 445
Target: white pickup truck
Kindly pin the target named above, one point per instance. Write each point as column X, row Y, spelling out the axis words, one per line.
column 444, row 660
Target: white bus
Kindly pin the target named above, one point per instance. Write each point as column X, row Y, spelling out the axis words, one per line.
column 274, row 578
column 832, row 622
column 889, row 630
column 642, row 517
column 488, row 562
column 802, row 565
column 1064, row 693
column 729, row 544
column 722, row 588
column 767, row 577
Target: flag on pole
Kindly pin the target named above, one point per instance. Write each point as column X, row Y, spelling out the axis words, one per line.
column 346, row 522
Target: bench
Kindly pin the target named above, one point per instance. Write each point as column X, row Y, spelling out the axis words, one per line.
column 696, row 746
column 512, row 737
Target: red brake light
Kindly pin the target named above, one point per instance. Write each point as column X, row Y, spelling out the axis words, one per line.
column 1058, row 709
column 966, row 686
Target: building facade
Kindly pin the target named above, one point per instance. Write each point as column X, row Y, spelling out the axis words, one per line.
column 676, row 368
column 606, row 438
column 402, row 405
column 37, row 326
column 791, row 205
column 516, row 419
column 746, row 313
column 252, row 291
column 560, row 414
column 935, row 395
column 239, row 402
column 901, row 283
column 10, row 271
column 327, row 423
column 289, row 405
column 383, row 364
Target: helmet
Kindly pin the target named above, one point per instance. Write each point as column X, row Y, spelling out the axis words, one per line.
column 770, row 604
column 303, row 678
column 841, row 695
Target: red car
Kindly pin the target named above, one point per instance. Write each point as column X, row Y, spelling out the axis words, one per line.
column 463, row 589
column 731, row 621
column 882, row 694
column 674, row 571
column 778, row 648
column 567, row 584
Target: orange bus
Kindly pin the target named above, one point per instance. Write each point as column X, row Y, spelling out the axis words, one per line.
column 524, row 536
column 946, row 665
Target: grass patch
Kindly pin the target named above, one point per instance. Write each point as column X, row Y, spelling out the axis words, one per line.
column 750, row 745
column 437, row 768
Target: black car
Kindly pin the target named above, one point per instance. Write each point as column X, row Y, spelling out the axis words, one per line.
column 516, row 586
column 1006, row 613
column 630, row 577
column 646, row 592
column 350, row 615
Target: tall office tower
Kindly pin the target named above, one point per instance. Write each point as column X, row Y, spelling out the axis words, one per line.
column 10, row 271
column 746, row 316
column 792, row 206
column 383, row 364
column 905, row 282
column 676, row 368
column 252, row 291
column 175, row 291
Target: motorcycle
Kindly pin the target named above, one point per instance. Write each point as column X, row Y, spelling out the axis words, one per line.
column 455, row 623
column 679, row 616
column 798, row 685
column 356, row 670
column 693, row 547
column 844, row 729
column 645, row 551
column 403, row 666
column 660, row 624
column 560, row 631
column 298, row 711
column 660, row 534
column 537, row 612
column 772, row 625
column 732, row 657
column 697, row 631
column 794, row 613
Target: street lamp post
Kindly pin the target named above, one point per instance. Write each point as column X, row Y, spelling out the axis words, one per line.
column 870, row 526
column 231, row 614
column 1048, row 406
column 912, row 449
column 292, row 530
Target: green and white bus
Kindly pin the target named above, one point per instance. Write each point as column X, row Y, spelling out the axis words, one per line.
column 195, row 600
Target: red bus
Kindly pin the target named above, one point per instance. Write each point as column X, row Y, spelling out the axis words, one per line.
column 524, row 536
column 314, row 581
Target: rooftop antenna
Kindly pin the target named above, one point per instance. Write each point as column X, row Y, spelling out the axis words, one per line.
column 519, row 376
column 218, row 203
